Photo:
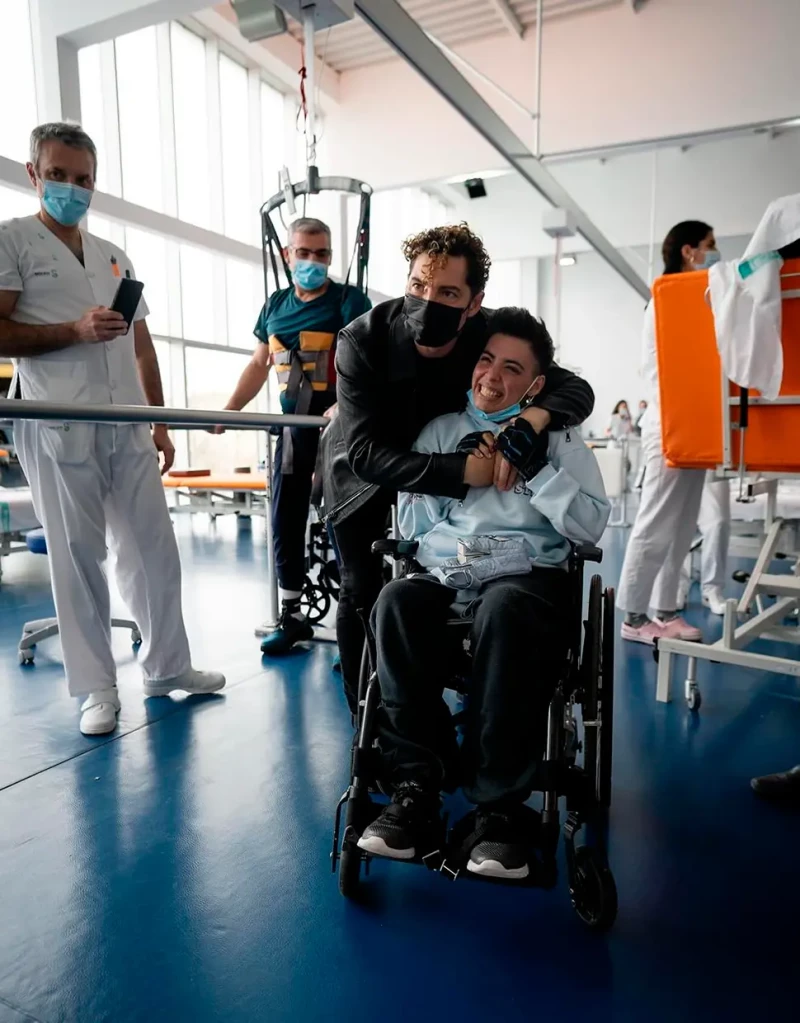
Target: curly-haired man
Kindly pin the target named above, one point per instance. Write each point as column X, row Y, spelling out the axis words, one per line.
column 399, row 367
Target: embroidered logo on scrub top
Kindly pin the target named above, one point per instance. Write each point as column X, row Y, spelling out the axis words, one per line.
column 115, row 266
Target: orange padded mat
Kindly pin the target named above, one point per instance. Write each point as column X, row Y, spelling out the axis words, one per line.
column 689, row 376
column 239, row 482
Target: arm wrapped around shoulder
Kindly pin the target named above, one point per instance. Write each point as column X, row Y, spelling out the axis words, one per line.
column 524, row 448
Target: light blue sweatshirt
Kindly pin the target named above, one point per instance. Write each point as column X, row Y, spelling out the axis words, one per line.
column 565, row 501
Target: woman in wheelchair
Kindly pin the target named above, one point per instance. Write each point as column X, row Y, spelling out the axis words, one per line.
column 506, row 552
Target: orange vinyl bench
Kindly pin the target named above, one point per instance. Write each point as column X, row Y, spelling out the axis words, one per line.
column 691, row 386
column 237, row 482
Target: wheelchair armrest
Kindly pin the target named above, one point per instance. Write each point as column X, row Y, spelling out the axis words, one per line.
column 396, row 549
column 587, row 552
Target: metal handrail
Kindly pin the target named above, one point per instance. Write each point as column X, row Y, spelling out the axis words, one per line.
column 177, row 417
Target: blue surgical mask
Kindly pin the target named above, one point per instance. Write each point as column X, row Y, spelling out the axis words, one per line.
column 711, row 257
column 493, row 417
column 66, row 204
column 308, row 275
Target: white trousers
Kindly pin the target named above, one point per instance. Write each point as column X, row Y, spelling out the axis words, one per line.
column 88, row 481
column 714, row 524
column 662, row 534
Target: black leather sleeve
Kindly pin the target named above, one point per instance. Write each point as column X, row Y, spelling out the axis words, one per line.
column 567, row 397
column 371, row 452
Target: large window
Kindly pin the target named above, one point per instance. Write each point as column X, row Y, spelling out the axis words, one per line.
column 140, row 118
column 241, row 218
column 148, row 253
column 273, row 137
column 211, row 378
column 17, row 85
column 198, row 295
column 191, row 113
column 397, row 214
column 245, row 296
column 16, row 204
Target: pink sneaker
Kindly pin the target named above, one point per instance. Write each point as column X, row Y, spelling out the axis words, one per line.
column 643, row 633
column 679, row 628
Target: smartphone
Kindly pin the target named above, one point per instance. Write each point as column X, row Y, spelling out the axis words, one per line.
column 126, row 301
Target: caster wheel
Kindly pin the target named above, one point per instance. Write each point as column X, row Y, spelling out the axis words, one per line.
column 349, row 869
column 592, row 890
column 694, row 700
column 25, row 657
column 315, row 603
column 136, row 637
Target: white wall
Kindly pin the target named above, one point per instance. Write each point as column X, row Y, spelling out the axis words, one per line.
column 608, row 76
column 728, row 184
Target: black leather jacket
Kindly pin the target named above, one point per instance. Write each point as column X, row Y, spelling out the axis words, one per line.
column 383, row 404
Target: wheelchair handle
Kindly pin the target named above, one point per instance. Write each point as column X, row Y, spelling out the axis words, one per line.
column 588, row 552
column 397, row 549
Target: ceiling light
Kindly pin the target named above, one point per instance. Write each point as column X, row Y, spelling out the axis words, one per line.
column 569, row 260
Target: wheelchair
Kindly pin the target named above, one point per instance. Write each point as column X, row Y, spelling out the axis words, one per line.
column 586, row 684
column 320, row 587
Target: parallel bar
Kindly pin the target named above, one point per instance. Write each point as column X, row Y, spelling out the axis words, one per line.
column 67, row 413
column 403, row 34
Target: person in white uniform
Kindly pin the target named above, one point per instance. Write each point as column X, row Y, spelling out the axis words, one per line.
column 56, row 285
column 714, row 524
column 669, row 509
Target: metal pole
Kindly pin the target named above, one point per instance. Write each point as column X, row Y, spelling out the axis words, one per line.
column 537, row 147
column 651, row 261
column 557, row 293
column 311, row 97
column 187, row 418
column 272, row 577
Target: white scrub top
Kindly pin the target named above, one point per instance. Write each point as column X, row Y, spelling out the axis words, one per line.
column 55, row 288
column 650, row 423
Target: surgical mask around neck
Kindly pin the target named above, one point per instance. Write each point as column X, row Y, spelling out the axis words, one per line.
column 66, row 204
column 505, row 413
column 308, row 275
column 432, row 324
column 711, row 258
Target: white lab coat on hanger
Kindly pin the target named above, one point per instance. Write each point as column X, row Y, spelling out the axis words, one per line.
column 746, row 299
column 88, row 479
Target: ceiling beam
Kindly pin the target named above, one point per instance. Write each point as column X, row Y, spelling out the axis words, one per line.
column 506, row 12
column 405, row 36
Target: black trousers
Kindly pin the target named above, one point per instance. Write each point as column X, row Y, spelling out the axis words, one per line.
column 291, row 500
column 519, row 637
column 361, row 574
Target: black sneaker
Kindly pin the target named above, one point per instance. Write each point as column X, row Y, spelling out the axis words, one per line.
column 502, row 852
column 402, row 825
column 290, row 630
column 779, row 788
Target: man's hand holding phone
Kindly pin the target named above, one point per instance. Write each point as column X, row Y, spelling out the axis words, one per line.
column 99, row 324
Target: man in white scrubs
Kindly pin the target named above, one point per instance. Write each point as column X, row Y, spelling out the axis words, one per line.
column 57, row 283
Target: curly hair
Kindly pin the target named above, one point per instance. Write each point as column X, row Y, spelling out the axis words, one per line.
column 452, row 240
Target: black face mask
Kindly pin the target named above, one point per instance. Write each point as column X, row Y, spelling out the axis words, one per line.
column 432, row 324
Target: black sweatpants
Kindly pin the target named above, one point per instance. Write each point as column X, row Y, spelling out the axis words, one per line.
column 291, row 500
column 361, row 574
column 519, row 640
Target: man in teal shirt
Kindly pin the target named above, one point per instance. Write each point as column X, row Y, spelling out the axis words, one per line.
column 297, row 331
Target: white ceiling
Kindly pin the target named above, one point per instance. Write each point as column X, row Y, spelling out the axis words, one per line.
column 355, row 44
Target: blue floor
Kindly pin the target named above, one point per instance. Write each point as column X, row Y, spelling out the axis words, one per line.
column 179, row 870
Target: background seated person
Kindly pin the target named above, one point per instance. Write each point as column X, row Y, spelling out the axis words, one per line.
column 520, row 623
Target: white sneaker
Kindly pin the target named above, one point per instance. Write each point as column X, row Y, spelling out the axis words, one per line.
column 714, row 600
column 99, row 712
column 191, row 681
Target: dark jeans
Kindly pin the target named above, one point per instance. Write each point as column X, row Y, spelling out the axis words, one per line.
column 291, row 499
column 519, row 637
column 361, row 575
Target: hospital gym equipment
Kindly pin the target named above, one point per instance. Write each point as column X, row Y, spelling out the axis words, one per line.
column 24, row 521
column 586, row 684
column 710, row 423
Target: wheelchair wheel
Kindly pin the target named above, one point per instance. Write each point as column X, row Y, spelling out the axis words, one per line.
column 329, row 578
column 349, row 869
column 592, row 890
column 606, row 701
column 315, row 602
